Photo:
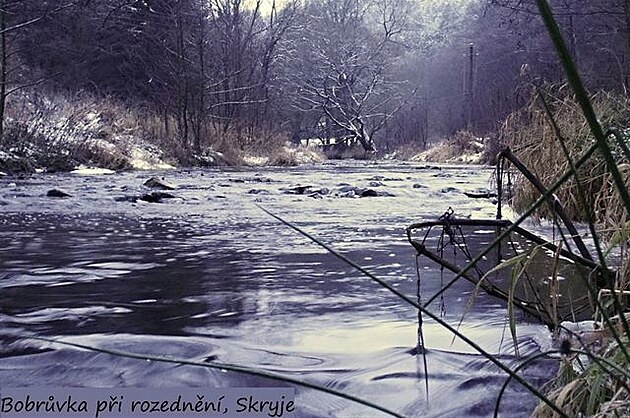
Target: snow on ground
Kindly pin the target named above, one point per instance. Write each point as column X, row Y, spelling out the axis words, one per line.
column 142, row 159
column 466, row 158
column 83, row 170
column 255, row 161
column 287, row 155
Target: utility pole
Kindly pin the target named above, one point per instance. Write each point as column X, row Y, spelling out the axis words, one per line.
column 469, row 92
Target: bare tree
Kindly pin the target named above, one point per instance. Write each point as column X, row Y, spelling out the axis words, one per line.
column 343, row 70
column 15, row 19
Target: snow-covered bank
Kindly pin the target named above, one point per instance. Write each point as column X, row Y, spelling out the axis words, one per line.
column 64, row 132
column 463, row 147
column 287, row 155
column 52, row 132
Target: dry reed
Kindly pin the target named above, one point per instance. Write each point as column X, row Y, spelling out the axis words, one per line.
column 530, row 134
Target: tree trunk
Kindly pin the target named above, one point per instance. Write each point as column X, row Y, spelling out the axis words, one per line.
column 202, row 78
column 365, row 138
column 183, row 90
column 626, row 76
column 3, row 65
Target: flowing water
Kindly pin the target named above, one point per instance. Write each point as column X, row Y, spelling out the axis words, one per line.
column 209, row 276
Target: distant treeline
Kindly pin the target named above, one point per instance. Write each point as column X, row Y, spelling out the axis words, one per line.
column 383, row 73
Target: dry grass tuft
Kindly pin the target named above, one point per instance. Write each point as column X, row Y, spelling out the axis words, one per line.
column 59, row 132
column 290, row 155
column 531, row 135
column 463, row 147
column 594, row 389
column 258, row 147
column 406, row 152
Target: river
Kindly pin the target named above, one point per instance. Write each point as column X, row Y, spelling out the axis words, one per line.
column 209, row 276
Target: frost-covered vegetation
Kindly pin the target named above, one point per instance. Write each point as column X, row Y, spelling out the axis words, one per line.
column 58, row 133
column 231, row 82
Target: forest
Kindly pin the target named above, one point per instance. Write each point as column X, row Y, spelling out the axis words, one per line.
column 245, row 76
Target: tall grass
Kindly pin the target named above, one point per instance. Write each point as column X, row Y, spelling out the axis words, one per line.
column 531, row 134
column 463, row 146
column 59, row 131
column 593, row 389
column 553, row 121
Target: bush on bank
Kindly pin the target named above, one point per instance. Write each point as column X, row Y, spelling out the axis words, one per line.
column 59, row 131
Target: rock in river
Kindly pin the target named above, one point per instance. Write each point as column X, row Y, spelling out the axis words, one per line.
column 296, row 189
column 157, row 183
column 319, row 194
column 57, row 193
column 259, row 191
column 368, row 193
column 156, row 197
column 153, row 197
column 353, row 191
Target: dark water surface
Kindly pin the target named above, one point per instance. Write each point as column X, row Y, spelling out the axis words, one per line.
column 210, row 277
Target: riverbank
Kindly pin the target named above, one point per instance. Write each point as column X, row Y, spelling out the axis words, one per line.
column 549, row 136
column 60, row 132
column 51, row 131
column 461, row 148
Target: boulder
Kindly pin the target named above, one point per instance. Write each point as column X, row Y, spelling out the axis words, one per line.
column 350, row 193
column 156, row 197
column 353, row 191
column 480, row 194
column 132, row 199
column 57, row 193
column 318, row 194
column 255, row 179
column 153, row 197
column 160, row 184
column 348, row 189
column 386, row 194
column 368, row 193
column 297, row 189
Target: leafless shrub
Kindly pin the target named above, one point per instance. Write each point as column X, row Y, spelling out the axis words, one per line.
column 59, row 131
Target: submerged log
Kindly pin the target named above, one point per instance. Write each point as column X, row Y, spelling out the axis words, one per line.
column 480, row 195
column 536, row 292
